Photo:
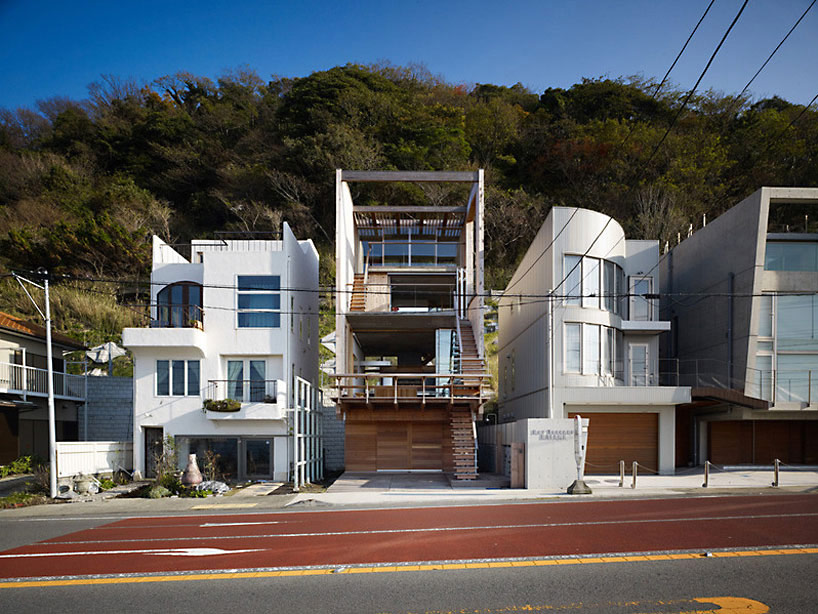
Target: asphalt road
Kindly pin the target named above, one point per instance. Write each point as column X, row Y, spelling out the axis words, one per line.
column 563, row 556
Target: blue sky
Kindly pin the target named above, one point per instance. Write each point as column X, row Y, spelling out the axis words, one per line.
column 51, row 48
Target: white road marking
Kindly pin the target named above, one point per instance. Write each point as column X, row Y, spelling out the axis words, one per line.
column 239, row 524
column 157, row 552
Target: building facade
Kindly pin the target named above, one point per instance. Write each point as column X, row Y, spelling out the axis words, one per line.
column 24, row 389
column 409, row 364
column 579, row 334
column 741, row 293
column 231, row 350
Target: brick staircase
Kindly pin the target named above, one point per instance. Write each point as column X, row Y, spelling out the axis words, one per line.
column 358, row 300
column 463, row 444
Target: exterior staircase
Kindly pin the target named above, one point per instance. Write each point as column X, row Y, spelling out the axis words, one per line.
column 358, row 300
column 470, row 361
column 463, row 445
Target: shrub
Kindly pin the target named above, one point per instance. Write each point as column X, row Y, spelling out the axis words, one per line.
column 21, row 499
column 157, row 492
column 24, row 464
column 106, row 483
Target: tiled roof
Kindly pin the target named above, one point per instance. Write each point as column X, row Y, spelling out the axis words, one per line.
column 9, row 322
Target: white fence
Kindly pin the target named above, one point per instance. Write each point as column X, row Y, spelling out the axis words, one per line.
column 90, row 457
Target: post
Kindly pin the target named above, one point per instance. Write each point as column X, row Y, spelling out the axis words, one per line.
column 776, row 464
column 706, row 473
column 579, row 487
column 621, row 473
column 52, row 424
column 633, row 484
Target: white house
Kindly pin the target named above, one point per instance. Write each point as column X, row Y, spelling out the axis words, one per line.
column 237, row 322
column 579, row 334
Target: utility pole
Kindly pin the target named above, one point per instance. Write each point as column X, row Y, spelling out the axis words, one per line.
column 52, row 423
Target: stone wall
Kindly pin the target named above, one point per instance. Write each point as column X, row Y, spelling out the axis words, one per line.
column 110, row 410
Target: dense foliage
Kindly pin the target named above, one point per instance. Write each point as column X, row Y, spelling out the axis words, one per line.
column 84, row 184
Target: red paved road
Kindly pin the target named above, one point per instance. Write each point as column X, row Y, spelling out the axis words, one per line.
column 424, row 534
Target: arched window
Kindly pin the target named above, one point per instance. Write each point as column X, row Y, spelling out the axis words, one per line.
column 179, row 305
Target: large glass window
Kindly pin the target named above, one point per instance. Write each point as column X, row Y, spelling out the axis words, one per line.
column 791, row 256
column 572, row 272
column 259, row 301
column 590, row 349
column 640, row 309
column 797, row 323
column 177, row 378
column 179, row 305
column 573, row 350
column 590, row 282
column 235, row 379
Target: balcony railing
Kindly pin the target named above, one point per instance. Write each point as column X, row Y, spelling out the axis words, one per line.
column 245, row 390
column 23, row 380
column 179, row 316
column 410, row 386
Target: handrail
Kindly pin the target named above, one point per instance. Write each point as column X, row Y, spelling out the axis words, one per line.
column 366, row 265
column 24, row 380
column 459, row 343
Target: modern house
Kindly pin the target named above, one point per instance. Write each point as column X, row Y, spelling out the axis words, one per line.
column 579, row 334
column 229, row 364
column 742, row 293
column 24, row 389
column 409, row 320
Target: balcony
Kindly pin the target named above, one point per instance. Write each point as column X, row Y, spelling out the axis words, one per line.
column 161, row 334
column 399, row 388
column 257, row 399
column 30, row 381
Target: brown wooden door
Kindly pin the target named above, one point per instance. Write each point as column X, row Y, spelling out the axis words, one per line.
column 621, row 436
column 427, row 445
column 394, row 450
column 360, row 447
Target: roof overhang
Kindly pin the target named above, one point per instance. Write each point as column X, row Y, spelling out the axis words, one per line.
column 724, row 395
column 390, row 333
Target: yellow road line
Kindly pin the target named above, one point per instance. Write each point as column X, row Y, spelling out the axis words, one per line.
column 395, row 568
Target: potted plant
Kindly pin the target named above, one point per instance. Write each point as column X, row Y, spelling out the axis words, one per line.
column 225, row 405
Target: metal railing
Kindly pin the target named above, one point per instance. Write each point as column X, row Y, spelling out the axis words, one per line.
column 409, row 386
column 776, row 386
column 243, row 390
column 24, row 380
column 178, row 316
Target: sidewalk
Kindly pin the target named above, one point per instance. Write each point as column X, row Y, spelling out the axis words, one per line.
column 357, row 491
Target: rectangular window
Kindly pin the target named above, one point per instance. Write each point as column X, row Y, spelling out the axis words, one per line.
column 162, row 377
column 796, row 323
column 257, row 380
column 573, row 352
column 639, row 364
column 590, row 282
column 177, row 378
column 235, row 379
column 640, row 306
column 791, row 256
column 259, row 301
column 572, row 273
column 608, row 352
column 193, row 379
column 590, row 349
column 609, row 288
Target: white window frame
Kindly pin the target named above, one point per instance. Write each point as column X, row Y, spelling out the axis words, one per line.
column 257, row 292
column 185, row 377
column 631, row 378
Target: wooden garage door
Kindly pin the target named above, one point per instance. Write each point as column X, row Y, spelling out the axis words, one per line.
column 394, row 445
column 615, row 437
column 759, row 442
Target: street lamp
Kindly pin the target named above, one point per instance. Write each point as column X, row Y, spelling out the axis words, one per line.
column 52, row 426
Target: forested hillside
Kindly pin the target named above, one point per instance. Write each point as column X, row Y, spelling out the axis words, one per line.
column 84, row 183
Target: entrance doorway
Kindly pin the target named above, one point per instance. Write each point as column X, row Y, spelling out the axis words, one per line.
column 154, row 437
column 257, row 458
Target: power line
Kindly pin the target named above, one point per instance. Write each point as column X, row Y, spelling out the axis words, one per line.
column 804, row 14
column 698, row 81
column 672, row 66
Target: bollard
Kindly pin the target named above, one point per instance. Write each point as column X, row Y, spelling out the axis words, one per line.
column 621, row 473
column 633, row 484
column 706, row 473
column 776, row 464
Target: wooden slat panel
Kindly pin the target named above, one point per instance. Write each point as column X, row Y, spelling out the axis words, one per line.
column 760, row 442
column 393, row 445
column 621, row 436
column 427, row 445
column 360, row 450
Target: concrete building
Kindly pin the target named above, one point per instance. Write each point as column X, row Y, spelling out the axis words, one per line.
column 409, row 321
column 230, row 362
column 741, row 293
column 579, row 334
column 24, row 389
